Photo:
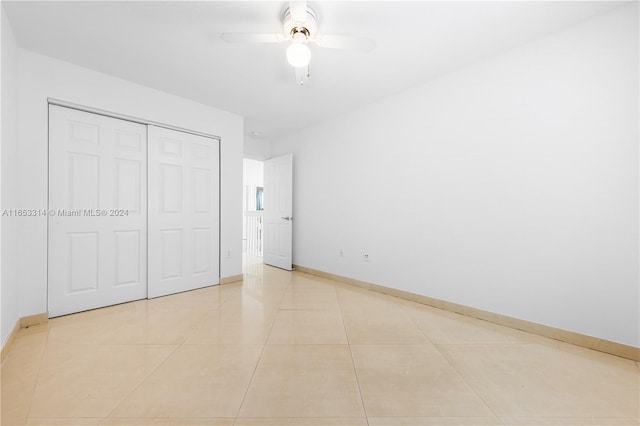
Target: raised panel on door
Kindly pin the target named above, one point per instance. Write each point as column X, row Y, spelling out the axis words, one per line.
column 96, row 164
column 201, row 190
column 170, row 188
column 202, row 251
column 170, row 252
column 128, row 190
column 83, row 181
column 82, row 263
column 128, row 262
column 183, row 211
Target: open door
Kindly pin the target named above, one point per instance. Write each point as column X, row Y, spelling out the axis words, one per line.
column 278, row 211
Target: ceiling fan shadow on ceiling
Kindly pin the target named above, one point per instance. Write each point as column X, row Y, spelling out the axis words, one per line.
column 299, row 28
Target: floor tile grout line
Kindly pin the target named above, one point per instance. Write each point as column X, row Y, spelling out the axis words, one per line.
column 143, row 380
column 353, row 363
column 437, row 348
column 426, row 336
column 446, row 359
column 264, row 345
column 45, row 347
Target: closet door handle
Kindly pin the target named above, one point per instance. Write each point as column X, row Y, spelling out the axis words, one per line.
column 287, row 217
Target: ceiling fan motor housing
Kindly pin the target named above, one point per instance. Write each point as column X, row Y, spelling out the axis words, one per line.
column 308, row 27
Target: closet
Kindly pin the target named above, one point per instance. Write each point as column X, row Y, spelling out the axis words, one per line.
column 133, row 210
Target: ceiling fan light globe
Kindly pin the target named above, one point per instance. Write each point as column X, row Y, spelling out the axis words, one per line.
column 298, row 55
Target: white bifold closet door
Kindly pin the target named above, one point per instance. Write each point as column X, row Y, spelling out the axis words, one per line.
column 115, row 236
column 97, row 245
column 183, row 211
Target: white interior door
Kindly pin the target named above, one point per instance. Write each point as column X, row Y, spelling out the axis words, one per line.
column 278, row 211
column 183, row 211
column 97, row 211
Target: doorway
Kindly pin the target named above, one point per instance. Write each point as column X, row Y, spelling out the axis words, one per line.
column 252, row 209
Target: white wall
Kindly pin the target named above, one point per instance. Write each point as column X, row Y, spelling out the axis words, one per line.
column 509, row 186
column 9, row 182
column 252, row 177
column 257, row 149
column 253, row 172
column 41, row 77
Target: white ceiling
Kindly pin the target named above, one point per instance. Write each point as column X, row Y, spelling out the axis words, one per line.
column 175, row 46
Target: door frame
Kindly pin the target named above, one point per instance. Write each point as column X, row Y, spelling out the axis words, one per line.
column 106, row 113
column 146, row 122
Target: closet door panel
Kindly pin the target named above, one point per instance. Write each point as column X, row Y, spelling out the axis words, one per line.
column 183, row 211
column 97, row 211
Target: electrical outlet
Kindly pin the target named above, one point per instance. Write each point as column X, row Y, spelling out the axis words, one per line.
column 366, row 257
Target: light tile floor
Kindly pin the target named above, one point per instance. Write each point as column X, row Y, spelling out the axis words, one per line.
column 286, row 348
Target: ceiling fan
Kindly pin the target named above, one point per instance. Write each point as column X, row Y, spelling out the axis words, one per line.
column 299, row 28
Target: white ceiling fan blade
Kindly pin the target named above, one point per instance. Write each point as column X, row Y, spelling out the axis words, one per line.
column 252, row 37
column 298, row 11
column 332, row 41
